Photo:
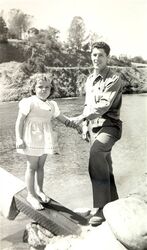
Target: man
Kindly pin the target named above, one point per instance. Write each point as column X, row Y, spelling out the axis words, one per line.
column 102, row 117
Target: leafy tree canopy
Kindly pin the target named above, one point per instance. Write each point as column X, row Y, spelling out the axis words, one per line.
column 18, row 22
column 3, row 30
column 76, row 33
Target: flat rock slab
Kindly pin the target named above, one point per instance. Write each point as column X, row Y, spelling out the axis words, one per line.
column 56, row 218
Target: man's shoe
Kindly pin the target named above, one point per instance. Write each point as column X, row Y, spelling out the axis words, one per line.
column 97, row 218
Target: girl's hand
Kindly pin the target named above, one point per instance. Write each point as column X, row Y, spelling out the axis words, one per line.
column 72, row 124
column 77, row 119
column 79, row 129
column 20, row 144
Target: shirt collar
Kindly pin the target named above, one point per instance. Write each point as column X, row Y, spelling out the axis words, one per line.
column 104, row 73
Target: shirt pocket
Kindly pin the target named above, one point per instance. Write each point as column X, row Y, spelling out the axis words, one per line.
column 98, row 91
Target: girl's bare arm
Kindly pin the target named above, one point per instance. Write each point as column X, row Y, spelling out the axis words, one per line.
column 65, row 120
column 69, row 123
column 19, row 130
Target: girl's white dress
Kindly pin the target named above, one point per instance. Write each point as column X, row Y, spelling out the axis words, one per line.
column 38, row 135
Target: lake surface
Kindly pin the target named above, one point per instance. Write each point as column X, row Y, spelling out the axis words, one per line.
column 66, row 175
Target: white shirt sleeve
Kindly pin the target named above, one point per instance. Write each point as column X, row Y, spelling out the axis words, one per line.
column 24, row 106
column 56, row 109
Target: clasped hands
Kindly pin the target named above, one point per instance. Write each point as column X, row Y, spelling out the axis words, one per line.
column 75, row 122
column 72, row 124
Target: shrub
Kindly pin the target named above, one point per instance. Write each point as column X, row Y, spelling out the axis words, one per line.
column 69, row 82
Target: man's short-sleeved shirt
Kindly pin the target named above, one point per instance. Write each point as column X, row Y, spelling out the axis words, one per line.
column 103, row 98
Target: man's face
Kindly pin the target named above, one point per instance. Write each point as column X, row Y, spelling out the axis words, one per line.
column 99, row 59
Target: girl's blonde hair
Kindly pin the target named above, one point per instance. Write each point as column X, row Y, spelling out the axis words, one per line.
column 41, row 77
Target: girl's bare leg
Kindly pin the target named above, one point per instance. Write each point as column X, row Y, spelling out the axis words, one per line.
column 32, row 166
column 40, row 179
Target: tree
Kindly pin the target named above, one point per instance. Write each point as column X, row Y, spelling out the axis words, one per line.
column 42, row 49
column 90, row 39
column 53, row 33
column 94, row 37
column 18, row 22
column 76, row 33
column 3, row 30
column 138, row 59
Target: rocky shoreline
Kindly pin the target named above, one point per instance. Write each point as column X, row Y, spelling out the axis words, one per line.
column 125, row 227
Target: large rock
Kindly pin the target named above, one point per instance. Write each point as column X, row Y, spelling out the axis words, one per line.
column 37, row 236
column 127, row 218
column 91, row 238
column 95, row 238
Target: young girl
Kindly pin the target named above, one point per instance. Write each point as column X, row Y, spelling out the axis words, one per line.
column 34, row 134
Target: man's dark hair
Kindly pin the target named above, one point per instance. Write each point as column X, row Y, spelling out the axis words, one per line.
column 101, row 45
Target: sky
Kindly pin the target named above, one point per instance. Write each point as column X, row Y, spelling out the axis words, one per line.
column 121, row 23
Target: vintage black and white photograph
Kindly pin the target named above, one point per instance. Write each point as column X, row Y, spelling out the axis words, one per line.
column 73, row 125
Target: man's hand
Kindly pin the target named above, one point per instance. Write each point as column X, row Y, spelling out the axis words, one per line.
column 85, row 131
column 86, row 136
column 79, row 129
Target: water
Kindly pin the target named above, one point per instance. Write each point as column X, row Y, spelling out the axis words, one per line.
column 66, row 175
